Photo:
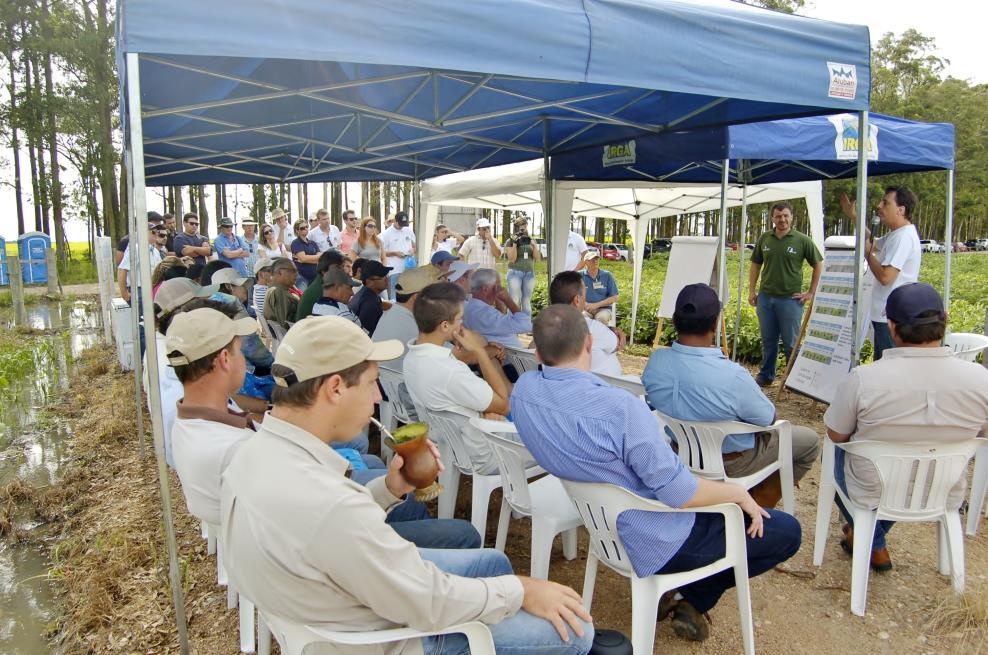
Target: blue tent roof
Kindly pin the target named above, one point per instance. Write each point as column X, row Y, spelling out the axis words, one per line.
column 789, row 150
column 254, row 91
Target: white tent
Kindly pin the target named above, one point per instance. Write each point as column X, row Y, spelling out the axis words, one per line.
column 519, row 187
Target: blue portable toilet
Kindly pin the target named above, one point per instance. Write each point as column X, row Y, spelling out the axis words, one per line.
column 4, row 281
column 31, row 248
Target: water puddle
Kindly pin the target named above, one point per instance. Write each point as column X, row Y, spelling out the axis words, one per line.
column 33, row 447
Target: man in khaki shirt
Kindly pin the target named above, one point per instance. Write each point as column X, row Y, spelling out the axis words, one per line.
column 918, row 392
column 309, row 545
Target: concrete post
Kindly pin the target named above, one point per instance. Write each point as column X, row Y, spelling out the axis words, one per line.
column 104, row 272
column 17, row 291
column 54, row 288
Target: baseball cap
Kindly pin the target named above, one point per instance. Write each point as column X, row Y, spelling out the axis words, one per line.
column 374, row 268
column 414, row 280
column 262, row 263
column 336, row 275
column 590, row 254
column 459, row 269
column 906, row 304
column 320, row 345
column 228, row 276
column 174, row 293
column 225, row 222
column 483, row 222
column 155, row 217
column 193, row 335
column 697, row 300
column 279, row 263
column 401, row 218
column 442, row 256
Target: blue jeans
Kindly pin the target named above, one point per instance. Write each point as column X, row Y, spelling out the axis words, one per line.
column 520, row 287
column 521, row 634
column 360, row 443
column 883, row 338
column 705, row 544
column 777, row 316
column 881, row 527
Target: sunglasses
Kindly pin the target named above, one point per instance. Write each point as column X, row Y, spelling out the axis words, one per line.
column 267, row 232
column 192, row 223
column 371, row 225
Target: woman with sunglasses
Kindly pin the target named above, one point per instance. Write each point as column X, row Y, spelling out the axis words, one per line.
column 269, row 246
column 305, row 253
column 368, row 244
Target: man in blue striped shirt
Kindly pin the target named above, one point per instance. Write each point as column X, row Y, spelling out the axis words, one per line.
column 580, row 428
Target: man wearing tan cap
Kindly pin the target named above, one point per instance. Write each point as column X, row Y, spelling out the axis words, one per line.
column 282, row 230
column 307, row 544
column 337, row 290
column 203, row 346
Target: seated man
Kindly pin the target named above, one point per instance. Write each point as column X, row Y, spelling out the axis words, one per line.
column 694, row 381
column 490, row 311
column 313, row 292
column 262, row 278
column 442, row 259
column 600, row 433
column 918, row 391
column 437, row 380
column 602, row 289
column 367, row 303
column 337, row 290
column 307, row 544
column 567, row 288
column 280, row 304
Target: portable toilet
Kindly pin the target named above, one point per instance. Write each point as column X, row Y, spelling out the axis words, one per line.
column 4, row 280
column 31, row 248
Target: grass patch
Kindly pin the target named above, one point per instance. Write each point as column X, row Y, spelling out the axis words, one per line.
column 966, row 613
column 79, row 268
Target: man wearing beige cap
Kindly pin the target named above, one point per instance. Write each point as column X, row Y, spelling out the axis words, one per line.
column 282, row 230
column 309, row 545
column 203, row 346
column 337, row 290
column 482, row 248
column 262, row 278
column 399, row 322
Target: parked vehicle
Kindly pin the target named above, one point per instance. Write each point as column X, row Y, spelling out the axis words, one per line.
column 982, row 244
column 661, row 245
column 543, row 249
column 972, row 244
column 931, row 245
column 614, row 252
column 960, row 247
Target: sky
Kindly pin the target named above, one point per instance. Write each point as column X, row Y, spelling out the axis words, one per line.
column 953, row 24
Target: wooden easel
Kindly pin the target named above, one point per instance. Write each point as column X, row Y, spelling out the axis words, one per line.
column 795, row 349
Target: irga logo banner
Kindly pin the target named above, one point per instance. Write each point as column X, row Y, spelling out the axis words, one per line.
column 846, row 141
column 619, row 154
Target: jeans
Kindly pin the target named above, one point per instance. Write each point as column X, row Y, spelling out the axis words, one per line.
column 520, row 287
column 360, row 443
column 521, row 634
column 882, row 339
column 777, row 316
column 706, row 544
column 301, row 283
column 882, row 527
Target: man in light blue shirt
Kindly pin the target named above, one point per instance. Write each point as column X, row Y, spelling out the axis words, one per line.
column 231, row 248
column 694, row 381
column 580, row 428
column 483, row 312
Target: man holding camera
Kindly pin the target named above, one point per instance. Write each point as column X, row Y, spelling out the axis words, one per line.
column 481, row 248
column 522, row 253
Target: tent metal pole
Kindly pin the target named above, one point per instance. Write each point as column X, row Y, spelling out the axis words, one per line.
column 949, row 238
column 741, row 248
column 133, row 225
column 722, row 255
column 136, row 160
column 547, row 216
column 859, row 237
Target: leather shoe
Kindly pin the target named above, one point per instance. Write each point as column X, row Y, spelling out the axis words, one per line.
column 880, row 562
column 690, row 624
column 666, row 605
column 762, row 382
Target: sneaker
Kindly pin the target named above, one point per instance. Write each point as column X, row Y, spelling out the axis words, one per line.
column 688, row 623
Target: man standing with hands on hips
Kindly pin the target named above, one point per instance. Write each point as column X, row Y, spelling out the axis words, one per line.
column 780, row 299
column 893, row 259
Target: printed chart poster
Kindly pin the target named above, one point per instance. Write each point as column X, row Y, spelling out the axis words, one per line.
column 824, row 357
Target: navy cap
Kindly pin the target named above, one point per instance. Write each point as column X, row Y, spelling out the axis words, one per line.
column 908, row 302
column 442, row 256
column 154, row 217
column 373, row 268
column 401, row 218
column 697, row 300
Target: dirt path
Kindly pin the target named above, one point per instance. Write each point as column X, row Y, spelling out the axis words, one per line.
column 91, row 289
column 114, row 583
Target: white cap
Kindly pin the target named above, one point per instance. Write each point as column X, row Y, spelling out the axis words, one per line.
column 483, row 222
column 459, row 268
column 590, row 254
column 228, row 276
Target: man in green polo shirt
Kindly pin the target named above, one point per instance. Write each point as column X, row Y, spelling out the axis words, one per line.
column 778, row 258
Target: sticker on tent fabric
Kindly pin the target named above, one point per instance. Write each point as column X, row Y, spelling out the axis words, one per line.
column 846, row 142
column 619, row 154
column 843, row 80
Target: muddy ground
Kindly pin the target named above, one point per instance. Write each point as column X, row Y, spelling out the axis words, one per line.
column 110, row 566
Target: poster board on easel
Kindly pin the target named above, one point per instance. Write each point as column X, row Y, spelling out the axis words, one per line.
column 824, row 356
column 692, row 260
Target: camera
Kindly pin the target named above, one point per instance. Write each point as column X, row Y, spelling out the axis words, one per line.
column 522, row 239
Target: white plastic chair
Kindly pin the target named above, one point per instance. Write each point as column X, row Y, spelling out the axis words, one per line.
column 523, row 359
column 295, row 637
column 448, row 427
column 631, row 384
column 916, row 479
column 235, row 600
column 979, row 487
column 544, row 500
column 601, row 504
column 700, row 443
column 393, row 410
column 966, row 345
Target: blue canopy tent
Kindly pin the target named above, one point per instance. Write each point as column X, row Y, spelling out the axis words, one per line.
column 787, row 150
column 243, row 91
